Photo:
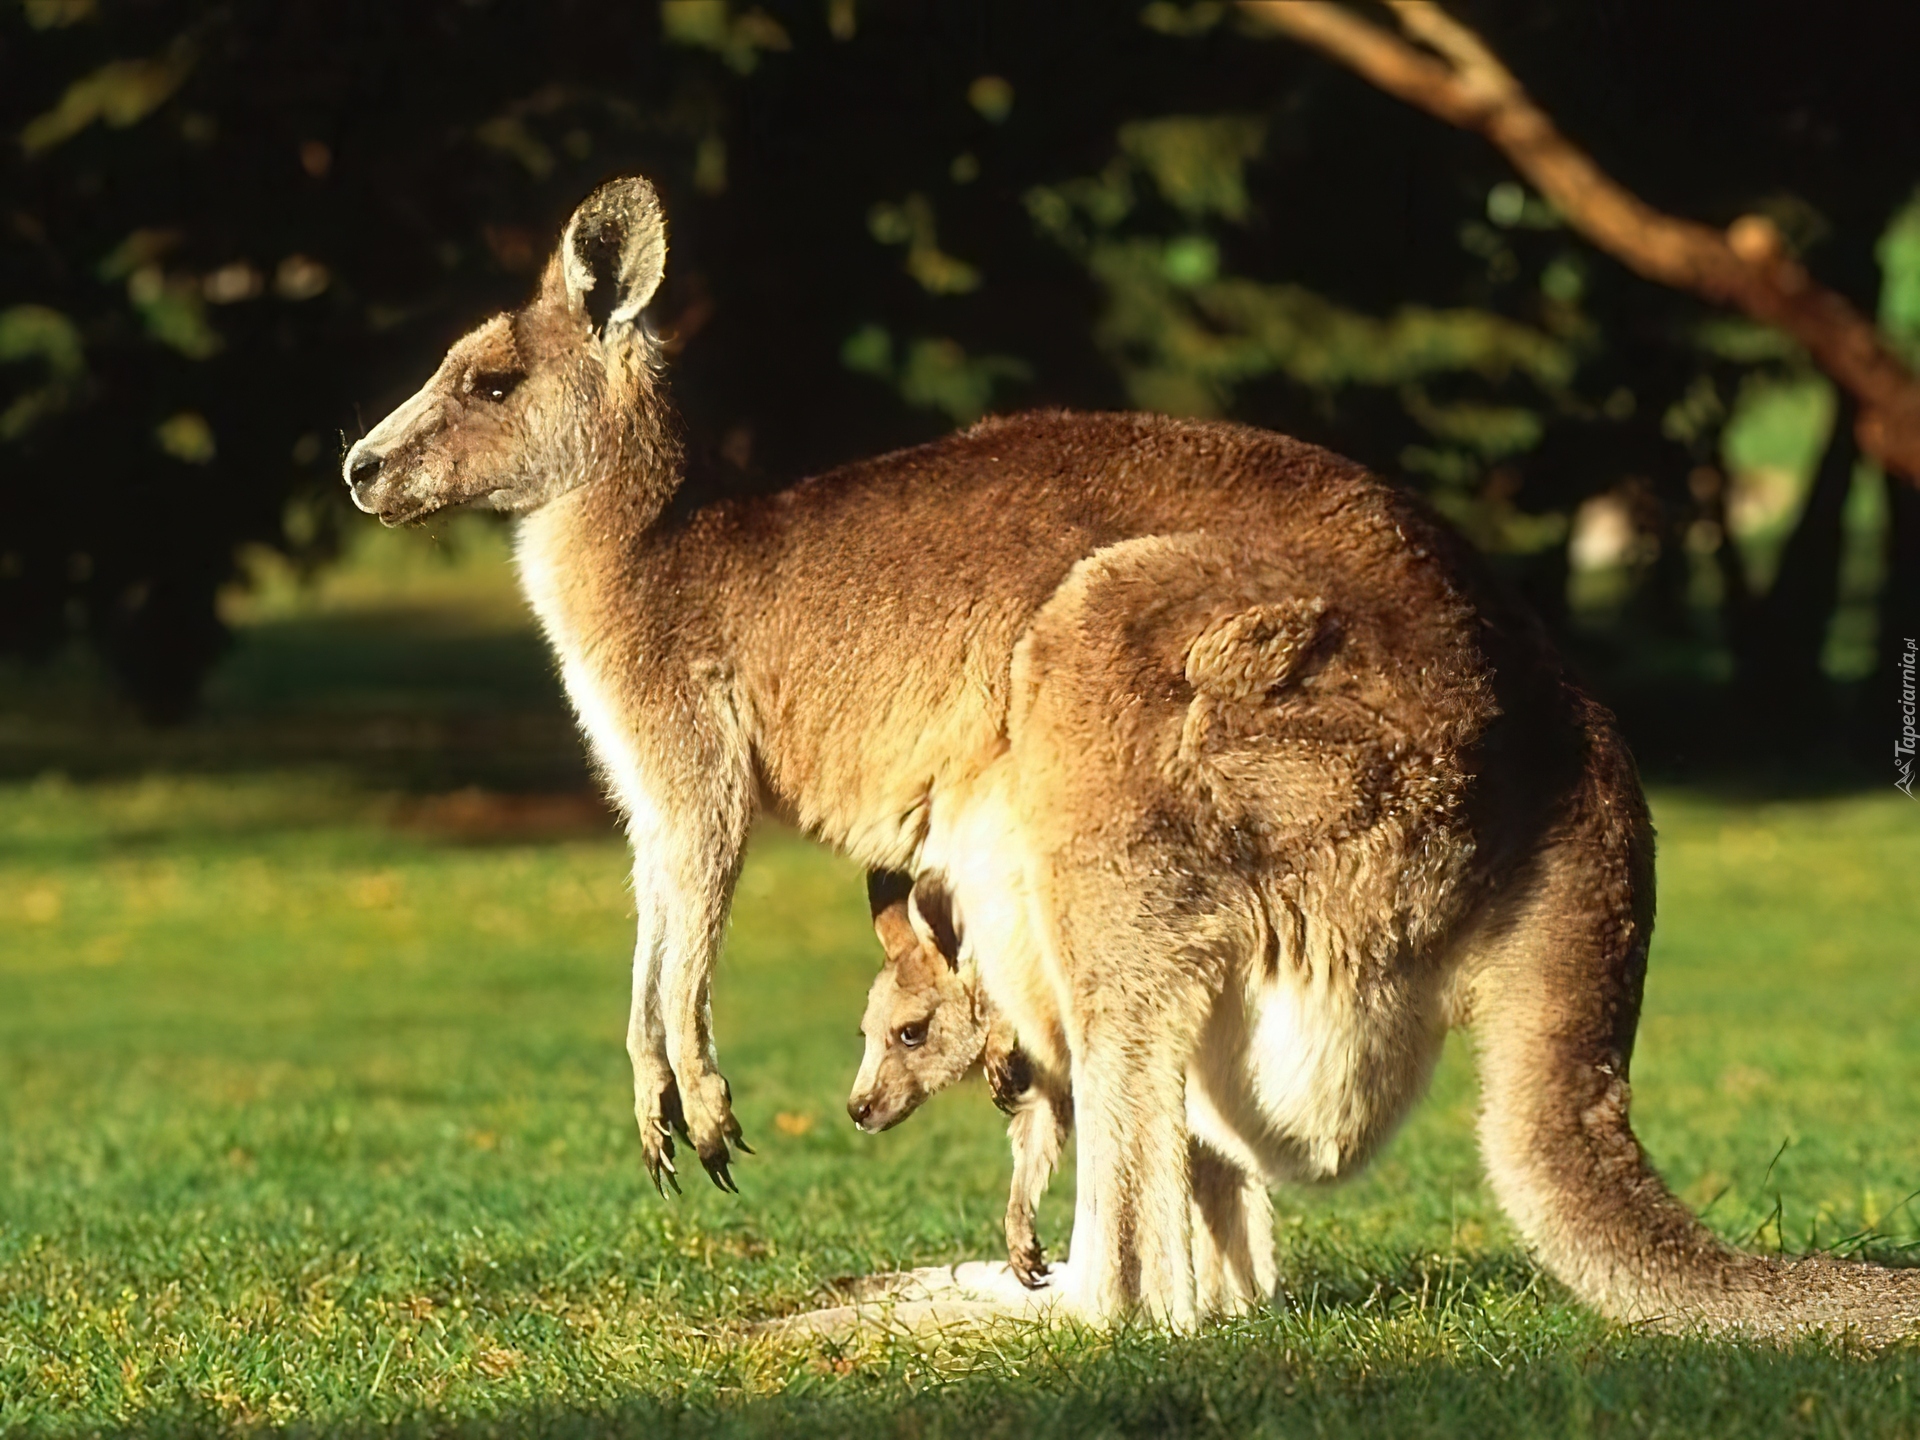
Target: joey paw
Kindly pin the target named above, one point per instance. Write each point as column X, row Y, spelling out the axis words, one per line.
column 1028, row 1262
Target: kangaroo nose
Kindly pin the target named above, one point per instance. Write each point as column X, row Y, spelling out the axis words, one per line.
column 859, row 1109
column 361, row 470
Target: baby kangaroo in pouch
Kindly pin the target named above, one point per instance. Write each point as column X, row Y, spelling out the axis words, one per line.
column 1242, row 780
column 927, row 1023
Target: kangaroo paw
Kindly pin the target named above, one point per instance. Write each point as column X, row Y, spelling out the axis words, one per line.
column 711, row 1127
column 657, row 1109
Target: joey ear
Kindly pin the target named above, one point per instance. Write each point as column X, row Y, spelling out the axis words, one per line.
column 885, row 889
column 930, row 909
column 614, row 252
column 896, row 932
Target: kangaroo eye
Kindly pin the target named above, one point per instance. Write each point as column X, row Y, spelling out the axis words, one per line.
column 913, row 1036
column 495, row 385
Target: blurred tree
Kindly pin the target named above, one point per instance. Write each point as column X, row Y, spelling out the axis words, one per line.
column 232, row 230
column 1779, row 640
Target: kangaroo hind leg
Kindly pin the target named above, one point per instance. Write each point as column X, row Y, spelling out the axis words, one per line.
column 1233, row 1266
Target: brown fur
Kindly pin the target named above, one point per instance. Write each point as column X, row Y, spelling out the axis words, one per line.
column 1227, row 754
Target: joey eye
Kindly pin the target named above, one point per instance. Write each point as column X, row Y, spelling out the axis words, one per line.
column 913, row 1036
column 495, row 385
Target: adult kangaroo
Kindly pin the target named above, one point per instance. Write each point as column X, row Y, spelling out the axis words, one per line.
column 1242, row 782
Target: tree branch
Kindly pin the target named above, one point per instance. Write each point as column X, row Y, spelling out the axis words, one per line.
column 1462, row 82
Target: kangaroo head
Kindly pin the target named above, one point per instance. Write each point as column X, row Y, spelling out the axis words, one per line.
column 545, row 398
column 924, row 1026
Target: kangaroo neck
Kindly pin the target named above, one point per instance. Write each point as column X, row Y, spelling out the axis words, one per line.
column 577, row 554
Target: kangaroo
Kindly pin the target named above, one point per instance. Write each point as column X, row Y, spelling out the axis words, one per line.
column 1228, row 752
column 928, row 1023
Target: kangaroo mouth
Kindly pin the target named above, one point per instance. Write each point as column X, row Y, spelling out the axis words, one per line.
column 883, row 1118
column 399, row 516
column 391, row 508
column 408, row 510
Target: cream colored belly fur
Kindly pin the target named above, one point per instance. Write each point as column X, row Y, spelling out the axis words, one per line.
column 974, row 840
column 1301, row 1075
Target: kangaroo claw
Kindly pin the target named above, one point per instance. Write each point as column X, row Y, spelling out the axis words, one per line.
column 660, row 1169
column 658, row 1109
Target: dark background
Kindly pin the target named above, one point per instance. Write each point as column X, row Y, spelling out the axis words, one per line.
column 234, row 235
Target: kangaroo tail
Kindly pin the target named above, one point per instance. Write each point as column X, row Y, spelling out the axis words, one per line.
column 1554, row 1006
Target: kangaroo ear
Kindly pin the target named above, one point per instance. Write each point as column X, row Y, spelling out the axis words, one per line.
column 614, row 252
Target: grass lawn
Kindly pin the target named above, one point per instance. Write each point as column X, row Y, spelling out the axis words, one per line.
column 314, row 1114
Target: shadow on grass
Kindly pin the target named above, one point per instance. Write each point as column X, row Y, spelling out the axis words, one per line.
column 395, row 701
column 1234, row 1381
column 1435, row 1346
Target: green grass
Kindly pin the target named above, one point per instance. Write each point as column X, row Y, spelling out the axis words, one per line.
column 308, row 1119
column 313, row 1116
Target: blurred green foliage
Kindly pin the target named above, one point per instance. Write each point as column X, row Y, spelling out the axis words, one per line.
column 1899, row 256
column 238, row 234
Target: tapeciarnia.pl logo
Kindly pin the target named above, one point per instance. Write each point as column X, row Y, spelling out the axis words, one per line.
column 1904, row 746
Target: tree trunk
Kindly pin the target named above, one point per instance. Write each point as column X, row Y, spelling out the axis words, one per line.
column 1779, row 674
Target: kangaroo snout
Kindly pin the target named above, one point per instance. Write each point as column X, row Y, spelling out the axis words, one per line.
column 881, row 1108
column 363, row 468
column 375, row 486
